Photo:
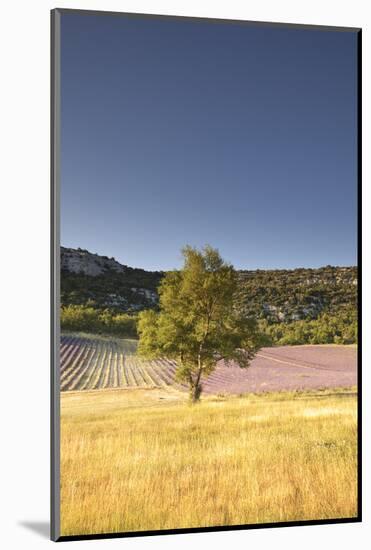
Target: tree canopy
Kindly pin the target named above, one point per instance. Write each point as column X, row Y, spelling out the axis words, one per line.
column 199, row 320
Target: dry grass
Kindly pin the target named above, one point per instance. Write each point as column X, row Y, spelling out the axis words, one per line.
column 144, row 459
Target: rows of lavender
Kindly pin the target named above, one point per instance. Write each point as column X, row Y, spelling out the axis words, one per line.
column 88, row 364
column 91, row 363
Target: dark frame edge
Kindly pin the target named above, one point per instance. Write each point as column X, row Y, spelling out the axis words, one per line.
column 207, row 19
column 131, row 534
column 55, row 274
column 359, row 262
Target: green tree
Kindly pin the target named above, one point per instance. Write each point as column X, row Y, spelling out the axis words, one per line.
column 199, row 320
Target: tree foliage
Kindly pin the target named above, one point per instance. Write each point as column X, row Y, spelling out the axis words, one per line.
column 326, row 329
column 199, row 321
column 89, row 319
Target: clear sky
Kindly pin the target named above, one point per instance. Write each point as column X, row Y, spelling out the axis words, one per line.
column 185, row 132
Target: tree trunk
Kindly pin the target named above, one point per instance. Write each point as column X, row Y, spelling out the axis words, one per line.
column 196, row 388
column 195, row 393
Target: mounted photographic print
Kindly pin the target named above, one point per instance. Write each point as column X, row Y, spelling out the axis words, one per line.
column 205, row 284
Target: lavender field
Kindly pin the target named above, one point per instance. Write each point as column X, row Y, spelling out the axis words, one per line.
column 92, row 363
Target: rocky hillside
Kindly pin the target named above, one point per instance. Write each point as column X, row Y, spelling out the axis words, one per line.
column 279, row 296
column 105, row 283
column 292, row 295
column 83, row 262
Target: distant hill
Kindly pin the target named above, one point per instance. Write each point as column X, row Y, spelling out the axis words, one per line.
column 277, row 296
column 291, row 295
column 103, row 282
column 83, row 262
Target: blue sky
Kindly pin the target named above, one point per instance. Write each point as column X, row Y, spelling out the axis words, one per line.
column 182, row 132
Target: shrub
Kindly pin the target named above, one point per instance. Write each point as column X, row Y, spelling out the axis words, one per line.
column 90, row 319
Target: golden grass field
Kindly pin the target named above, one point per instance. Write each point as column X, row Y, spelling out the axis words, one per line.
column 144, row 459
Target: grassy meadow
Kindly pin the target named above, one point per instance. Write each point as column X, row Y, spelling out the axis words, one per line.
column 143, row 459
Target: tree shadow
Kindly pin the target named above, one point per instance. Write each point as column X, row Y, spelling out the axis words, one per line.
column 41, row 528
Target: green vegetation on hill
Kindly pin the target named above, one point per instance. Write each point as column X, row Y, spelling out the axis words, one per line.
column 117, row 291
column 89, row 319
column 298, row 306
column 303, row 306
column 326, row 329
column 298, row 294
